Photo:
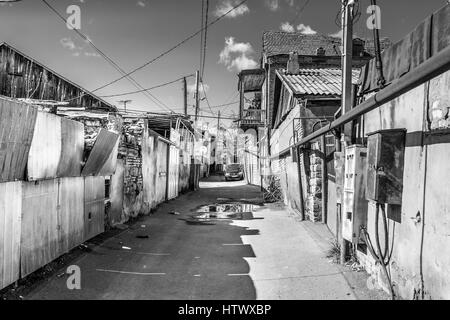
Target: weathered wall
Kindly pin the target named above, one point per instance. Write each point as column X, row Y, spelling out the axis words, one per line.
column 10, row 231
column 116, row 195
column 425, row 192
column 17, row 122
column 131, row 151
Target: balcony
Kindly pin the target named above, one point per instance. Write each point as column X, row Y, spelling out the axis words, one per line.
column 252, row 118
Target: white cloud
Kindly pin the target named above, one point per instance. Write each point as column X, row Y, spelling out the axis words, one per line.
column 68, row 43
column 337, row 34
column 290, row 3
column 273, row 5
column 305, row 29
column 141, row 4
column 77, row 51
column 227, row 5
column 287, row 27
column 92, row 54
column 191, row 88
column 237, row 56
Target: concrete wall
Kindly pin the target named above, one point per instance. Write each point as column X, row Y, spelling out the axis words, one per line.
column 425, row 192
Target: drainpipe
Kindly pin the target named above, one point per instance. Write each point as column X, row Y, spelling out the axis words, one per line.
column 324, row 181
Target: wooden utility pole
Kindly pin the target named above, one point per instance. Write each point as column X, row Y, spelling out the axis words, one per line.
column 347, row 101
column 185, row 97
column 197, row 95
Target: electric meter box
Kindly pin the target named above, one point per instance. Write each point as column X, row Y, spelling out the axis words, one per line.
column 386, row 157
column 355, row 205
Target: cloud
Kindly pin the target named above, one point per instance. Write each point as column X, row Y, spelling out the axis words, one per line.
column 290, row 3
column 142, row 4
column 191, row 87
column 77, row 51
column 227, row 5
column 273, row 5
column 287, row 27
column 304, row 29
column 237, row 56
column 337, row 34
column 68, row 44
column 91, row 54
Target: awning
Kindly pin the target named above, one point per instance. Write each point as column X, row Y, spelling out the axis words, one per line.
column 252, row 80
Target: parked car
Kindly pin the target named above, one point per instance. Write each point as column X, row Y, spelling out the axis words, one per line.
column 234, row 171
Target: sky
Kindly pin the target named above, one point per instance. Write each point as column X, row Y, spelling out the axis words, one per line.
column 132, row 32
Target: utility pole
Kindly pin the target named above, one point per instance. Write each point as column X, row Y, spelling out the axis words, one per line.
column 185, row 93
column 347, row 101
column 197, row 96
column 125, row 102
column 217, row 142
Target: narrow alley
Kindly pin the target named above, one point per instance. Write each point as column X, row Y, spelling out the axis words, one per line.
column 230, row 259
column 196, row 152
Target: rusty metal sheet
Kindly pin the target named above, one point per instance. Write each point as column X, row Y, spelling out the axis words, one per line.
column 70, row 213
column 10, row 231
column 101, row 152
column 94, row 206
column 111, row 163
column 45, row 151
column 39, row 240
column 17, row 122
column 421, row 43
column 72, row 148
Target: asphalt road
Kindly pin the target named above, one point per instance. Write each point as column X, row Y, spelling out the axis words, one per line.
column 272, row 256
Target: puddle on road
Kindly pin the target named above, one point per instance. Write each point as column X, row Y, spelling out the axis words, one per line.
column 226, row 211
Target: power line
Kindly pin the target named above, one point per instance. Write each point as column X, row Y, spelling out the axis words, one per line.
column 105, row 56
column 146, row 89
column 172, row 48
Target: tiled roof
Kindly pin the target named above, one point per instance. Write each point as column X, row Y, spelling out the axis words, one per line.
column 324, row 82
column 279, row 42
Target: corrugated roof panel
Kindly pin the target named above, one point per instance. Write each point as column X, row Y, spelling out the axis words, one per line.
column 325, row 82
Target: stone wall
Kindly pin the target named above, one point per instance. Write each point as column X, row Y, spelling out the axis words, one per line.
column 314, row 200
column 130, row 150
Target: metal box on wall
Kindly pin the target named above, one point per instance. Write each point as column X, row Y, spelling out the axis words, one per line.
column 355, row 205
column 386, row 153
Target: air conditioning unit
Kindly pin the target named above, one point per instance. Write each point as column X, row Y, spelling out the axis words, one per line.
column 355, row 204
